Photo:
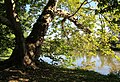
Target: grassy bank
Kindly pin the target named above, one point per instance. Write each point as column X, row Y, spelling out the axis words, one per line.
column 48, row 73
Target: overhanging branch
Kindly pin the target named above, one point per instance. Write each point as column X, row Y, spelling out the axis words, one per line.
column 73, row 19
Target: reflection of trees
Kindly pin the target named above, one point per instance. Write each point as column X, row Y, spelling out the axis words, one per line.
column 87, row 63
column 111, row 63
column 109, row 60
column 93, row 62
column 104, row 60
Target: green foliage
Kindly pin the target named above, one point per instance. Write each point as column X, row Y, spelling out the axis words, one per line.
column 27, row 13
column 6, row 40
column 102, row 17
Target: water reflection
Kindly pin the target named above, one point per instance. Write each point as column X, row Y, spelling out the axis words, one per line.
column 102, row 64
column 58, row 61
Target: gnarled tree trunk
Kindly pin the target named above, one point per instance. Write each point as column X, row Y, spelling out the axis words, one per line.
column 27, row 50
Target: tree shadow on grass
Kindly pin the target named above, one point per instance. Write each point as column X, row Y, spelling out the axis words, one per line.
column 49, row 73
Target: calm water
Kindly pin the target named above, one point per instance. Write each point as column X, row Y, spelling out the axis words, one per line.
column 101, row 64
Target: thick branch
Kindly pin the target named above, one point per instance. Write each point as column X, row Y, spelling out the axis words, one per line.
column 11, row 16
column 5, row 21
column 73, row 19
column 36, row 37
column 19, row 50
column 42, row 23
column 10, row 11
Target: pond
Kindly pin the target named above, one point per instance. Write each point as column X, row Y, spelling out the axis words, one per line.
column 101, row 64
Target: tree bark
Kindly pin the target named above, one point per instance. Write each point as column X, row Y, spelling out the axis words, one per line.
column 27, row 50
column 35, row 39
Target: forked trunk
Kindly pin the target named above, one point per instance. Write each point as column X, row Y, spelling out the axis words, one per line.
column 27, row 50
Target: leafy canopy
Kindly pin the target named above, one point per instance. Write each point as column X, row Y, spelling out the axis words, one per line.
column 102, row 17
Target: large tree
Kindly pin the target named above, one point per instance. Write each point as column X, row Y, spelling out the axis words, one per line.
column 14, row 16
